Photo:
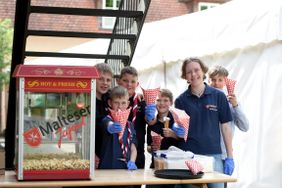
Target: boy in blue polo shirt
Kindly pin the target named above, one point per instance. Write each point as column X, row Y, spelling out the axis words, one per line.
column 207, row 108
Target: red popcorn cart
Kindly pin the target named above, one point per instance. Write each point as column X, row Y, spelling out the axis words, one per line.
column 55, row 122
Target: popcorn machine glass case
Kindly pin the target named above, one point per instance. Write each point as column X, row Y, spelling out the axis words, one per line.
column 55, row 131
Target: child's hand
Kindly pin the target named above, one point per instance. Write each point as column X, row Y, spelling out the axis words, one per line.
column 140, row 96
column 179, row 131
column 156, row 145
column 114, row 127
column 233, row 100
column 167, row 132
column 228, row 166
column 97, row 161
column 150, row 111
column 131, row 165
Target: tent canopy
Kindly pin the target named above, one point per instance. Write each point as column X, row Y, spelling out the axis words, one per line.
column 245, row 36
column 234, row 25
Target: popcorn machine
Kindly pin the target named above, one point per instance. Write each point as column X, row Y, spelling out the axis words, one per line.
column 55, row 122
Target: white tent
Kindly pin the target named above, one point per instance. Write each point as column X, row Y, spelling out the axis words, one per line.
column 245, row 36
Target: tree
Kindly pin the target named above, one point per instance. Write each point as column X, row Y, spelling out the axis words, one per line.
column 6, row 38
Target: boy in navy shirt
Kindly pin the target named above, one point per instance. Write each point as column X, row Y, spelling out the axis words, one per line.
column 129, row 80
column 113, row 154
column 163, row 124
column 103, row 85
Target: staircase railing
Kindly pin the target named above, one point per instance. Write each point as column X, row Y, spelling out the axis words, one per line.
column 130, row 26
column 123, row 40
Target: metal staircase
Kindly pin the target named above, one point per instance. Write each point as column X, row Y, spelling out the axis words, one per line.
column 123, row 40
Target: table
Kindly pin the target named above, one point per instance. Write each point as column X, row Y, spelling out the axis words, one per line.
column 115, row 177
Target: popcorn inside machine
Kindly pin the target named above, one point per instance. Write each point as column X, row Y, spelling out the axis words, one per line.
column 55, row 122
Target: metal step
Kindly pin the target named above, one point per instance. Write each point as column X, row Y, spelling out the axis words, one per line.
column 75, row 55
column 80, row 34
column 86, row 12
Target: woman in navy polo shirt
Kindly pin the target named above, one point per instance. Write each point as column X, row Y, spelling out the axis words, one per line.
column 207, row 108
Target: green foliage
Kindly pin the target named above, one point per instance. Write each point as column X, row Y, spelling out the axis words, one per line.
column 6, row 38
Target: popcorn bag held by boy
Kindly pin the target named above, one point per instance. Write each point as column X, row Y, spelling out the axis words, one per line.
column 182, row 119
column 120, row 117
column 150, row 95
column 230, row 85
column 156, row 139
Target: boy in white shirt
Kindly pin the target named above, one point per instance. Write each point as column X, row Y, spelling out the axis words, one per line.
column 217, row 75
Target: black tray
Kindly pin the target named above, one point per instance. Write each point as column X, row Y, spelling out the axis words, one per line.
column 177, row 174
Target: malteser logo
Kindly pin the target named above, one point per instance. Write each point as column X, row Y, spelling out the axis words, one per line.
column 64, row 126
column 33, row 137
column 68, row 132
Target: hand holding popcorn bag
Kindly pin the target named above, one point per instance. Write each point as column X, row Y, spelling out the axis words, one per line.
column 120, row 117
column 156, row 141
column 182, row 119
column 150, row 95
column 230, row 85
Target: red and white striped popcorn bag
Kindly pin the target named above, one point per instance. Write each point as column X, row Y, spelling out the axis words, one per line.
column 182, row 119
column 120, row 117
column 230, row 85
column 156, row 139
column 194, row 166
column 150, row 95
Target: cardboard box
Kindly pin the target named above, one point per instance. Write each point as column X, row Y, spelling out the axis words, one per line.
column 2, row 162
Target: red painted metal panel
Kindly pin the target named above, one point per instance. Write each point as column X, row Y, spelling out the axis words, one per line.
column 57, row 85
column 56, row 174
column 51, row 71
